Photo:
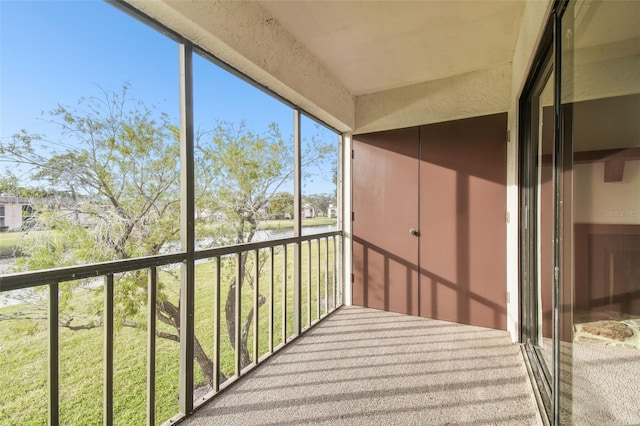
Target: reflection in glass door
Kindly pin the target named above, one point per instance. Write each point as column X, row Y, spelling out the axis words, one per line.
column 600, row 87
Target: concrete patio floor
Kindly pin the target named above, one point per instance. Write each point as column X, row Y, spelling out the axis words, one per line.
column 367, row 367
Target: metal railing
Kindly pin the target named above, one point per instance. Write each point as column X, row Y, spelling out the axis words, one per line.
column 260, row 277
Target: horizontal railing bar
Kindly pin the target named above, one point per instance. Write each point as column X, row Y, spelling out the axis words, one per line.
column 71, row 273
column 175, row 419
column 222, row 251
column 22, row 280
column 107, row 270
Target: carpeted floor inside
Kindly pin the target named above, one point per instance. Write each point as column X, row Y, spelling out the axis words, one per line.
column 367, row 367
column 600, row 384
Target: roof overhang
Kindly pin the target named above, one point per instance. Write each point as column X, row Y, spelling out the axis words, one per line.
column 355, row 64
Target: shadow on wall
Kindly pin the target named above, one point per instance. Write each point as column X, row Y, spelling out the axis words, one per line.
column 458, row 271
column 444, row 296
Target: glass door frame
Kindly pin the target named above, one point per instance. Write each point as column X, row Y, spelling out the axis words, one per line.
column 547, row 60
column 530, row 320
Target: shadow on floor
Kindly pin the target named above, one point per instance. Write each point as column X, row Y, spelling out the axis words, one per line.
column 367, row 367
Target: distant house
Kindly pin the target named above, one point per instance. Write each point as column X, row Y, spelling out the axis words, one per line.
column 202, row 213
column 332, row 211
column 219, row 216
column 15, row 212
column 263, row 212
column 308, row 211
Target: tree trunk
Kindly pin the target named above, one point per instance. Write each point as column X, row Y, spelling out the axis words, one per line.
column 170, row 314
column 230, row 310
column 205, row 364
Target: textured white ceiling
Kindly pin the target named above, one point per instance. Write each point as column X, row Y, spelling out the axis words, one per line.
column 372, row 46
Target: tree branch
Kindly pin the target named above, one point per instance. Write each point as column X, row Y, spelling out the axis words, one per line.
column 168, row 336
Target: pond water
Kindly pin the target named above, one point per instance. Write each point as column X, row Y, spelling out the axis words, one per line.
column 288, row 233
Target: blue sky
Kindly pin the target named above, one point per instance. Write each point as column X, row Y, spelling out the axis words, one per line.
column 56, row 52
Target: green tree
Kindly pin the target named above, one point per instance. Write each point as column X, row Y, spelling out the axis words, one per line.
column 117, row 197
column 117, row 183
column 10, row 185
column 281, row 205
column 116, row 180
column 240, row 171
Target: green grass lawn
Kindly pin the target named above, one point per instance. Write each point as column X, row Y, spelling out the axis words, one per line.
column 23, row 346
column 10, row 241
column 284, row 224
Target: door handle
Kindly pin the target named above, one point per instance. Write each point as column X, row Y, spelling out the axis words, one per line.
column 414, row 232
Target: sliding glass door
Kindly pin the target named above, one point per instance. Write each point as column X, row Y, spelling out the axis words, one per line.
column 580, row 214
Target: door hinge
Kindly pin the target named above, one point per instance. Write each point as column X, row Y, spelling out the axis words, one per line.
column 353, row 154
column 507, row 217
column 353, row 216
column 508, row 298
column 353, row 278
column 508, row 136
